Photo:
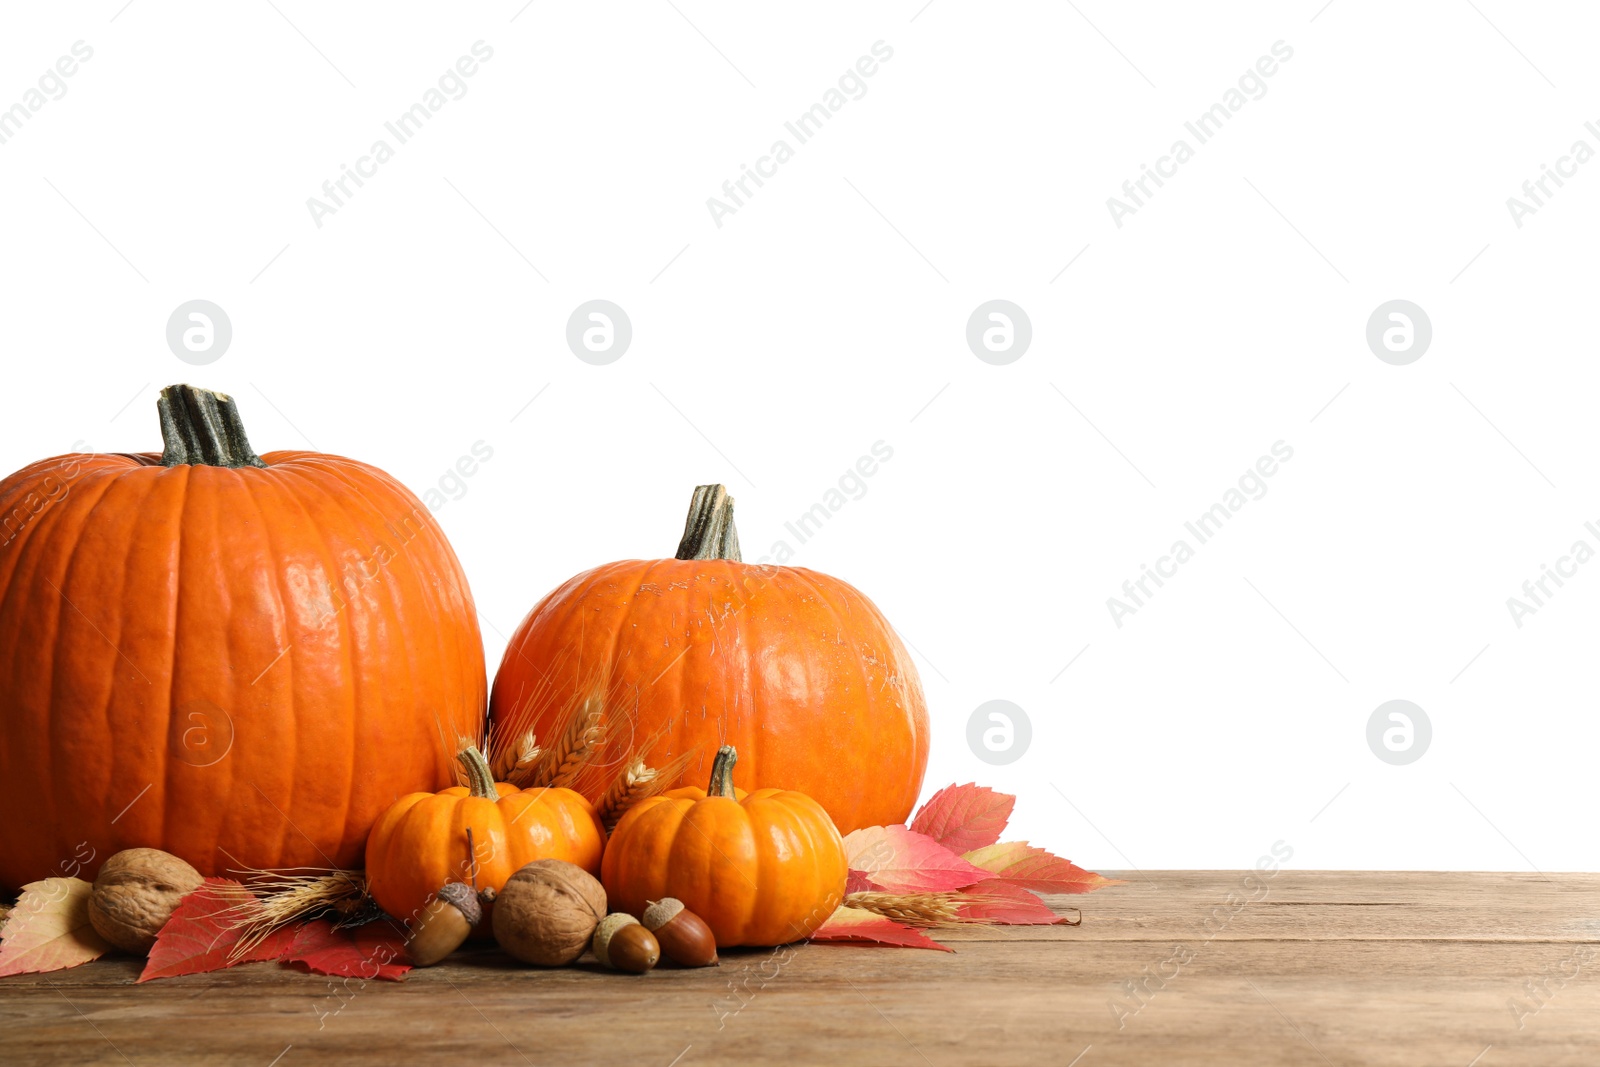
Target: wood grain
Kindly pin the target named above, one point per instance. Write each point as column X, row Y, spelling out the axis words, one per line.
column 1177, row 967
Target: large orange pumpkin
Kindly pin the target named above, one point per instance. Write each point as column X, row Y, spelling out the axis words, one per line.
column 764, row 868
column 423, row 841
column 241, row 660
column 797, row 670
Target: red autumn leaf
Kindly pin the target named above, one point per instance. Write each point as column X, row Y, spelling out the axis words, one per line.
column 964, row 817
column 203, row 933
column 898, row 860
column 372, row 950
column 1020, row 864
column 854, row 924
column 49, row 928
column 998, row 901
column 856, row 882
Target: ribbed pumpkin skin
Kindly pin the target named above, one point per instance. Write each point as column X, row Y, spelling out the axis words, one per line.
column 421, row 843
column 315, row 602
column 799, row 671
column 764, row 870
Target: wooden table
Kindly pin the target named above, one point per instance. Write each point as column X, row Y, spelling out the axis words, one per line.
column 1176, row 967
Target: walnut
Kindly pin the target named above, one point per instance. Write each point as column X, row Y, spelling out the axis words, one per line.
column 136, row 893
column 547, row 912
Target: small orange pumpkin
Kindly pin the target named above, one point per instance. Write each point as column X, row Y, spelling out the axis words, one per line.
column 420, row 843
column 763, row 868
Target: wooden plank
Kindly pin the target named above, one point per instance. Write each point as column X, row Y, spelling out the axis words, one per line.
column 1335, row 967
column 1322, row 905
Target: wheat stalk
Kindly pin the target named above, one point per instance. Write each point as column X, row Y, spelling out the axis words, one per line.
column 445, row 744
column 913, row 909
column 617, row 800
column 636, row 782
column 933, row 909
column 515, row 762
column 284, row 898
column 560, row 765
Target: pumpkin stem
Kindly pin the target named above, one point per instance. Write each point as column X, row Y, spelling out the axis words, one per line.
column 480, row 780
column 201, row 426
column 709, row 532
column 721, row 784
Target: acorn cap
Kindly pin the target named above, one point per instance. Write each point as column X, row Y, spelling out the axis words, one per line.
column 661, row 912
column 465, row 900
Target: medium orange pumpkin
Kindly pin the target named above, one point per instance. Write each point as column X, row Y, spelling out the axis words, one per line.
column 241, row 660
column 799, row 671
column 422, row 841
column 764, row 869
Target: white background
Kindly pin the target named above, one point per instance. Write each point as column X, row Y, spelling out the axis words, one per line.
column 829, row 313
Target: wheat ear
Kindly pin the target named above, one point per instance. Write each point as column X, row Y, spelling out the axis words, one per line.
column 636, row 782
column 515, row 762
column 561, row 764
column 283, row 898
column 913, row 909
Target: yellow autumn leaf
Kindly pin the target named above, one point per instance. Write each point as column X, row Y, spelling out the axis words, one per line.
column 49, row 928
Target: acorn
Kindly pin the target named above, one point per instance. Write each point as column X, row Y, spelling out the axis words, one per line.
column 444, row 924
column 684, row 937
column 622, row 944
